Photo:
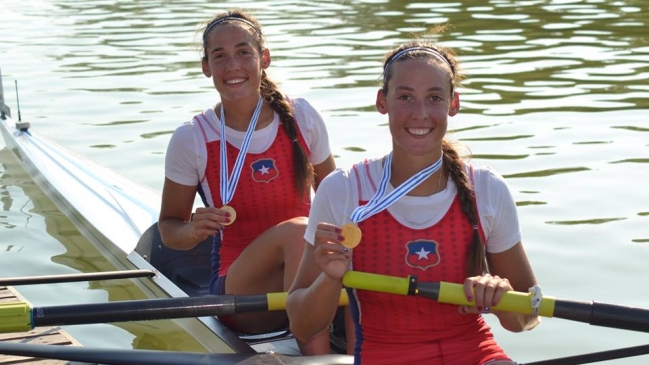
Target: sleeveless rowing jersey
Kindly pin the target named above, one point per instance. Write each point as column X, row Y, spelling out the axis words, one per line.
column 266, row 194
column 419, row 330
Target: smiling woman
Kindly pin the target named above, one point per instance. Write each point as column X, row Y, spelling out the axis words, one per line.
column 464, row 230
column 278, row 149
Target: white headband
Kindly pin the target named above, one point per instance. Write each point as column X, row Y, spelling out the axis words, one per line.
column 219, row 21
column 428, row 50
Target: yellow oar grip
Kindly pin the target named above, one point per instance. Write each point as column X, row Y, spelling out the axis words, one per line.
column 375, row 282
column 15, row 317
column 277, row 301
column 518, row 302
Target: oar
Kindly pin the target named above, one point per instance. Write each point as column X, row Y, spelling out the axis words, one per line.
column 595, row 356
column 65, row 278
column 20, row 317
column 152, row 357
column 594, row 313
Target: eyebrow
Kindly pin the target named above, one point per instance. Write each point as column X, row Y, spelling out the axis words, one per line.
column 238, row 45
column 407, row 88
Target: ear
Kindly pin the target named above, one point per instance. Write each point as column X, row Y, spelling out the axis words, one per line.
column 206, row 68
column 381, row 104
column 265, row 59
column 455, row 104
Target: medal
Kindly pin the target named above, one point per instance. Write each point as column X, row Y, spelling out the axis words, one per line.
column 233, row 214
column 352, row 235
column 382, row 200
column 228, row 184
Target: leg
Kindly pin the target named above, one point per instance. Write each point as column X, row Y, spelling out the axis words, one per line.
column 350, row 333
column 269, row 264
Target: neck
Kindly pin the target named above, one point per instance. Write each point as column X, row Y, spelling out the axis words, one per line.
column 238, row 115
column 404, row 168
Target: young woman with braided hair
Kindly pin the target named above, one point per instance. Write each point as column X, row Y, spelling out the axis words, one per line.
column 270, row 149
column 422, row 211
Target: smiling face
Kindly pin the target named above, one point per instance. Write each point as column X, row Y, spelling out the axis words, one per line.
column 418, row 100
column 234, row 60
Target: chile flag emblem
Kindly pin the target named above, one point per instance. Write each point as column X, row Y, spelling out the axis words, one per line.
column 422, row 254
column 264, row 170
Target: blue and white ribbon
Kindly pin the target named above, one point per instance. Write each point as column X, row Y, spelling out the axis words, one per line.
column 381, row 201
column 229, row 185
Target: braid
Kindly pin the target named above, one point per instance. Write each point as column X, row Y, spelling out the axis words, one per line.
column 301, row 163
column 476, row 260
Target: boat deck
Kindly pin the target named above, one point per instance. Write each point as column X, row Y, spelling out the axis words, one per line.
column 39, row 335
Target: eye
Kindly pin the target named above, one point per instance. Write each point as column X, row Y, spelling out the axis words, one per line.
column 403, row 97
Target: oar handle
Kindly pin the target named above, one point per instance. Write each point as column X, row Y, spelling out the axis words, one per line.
column 15, row 317
column 380, row 283
column 443, row 292
column 277, row 301
column 511, row 301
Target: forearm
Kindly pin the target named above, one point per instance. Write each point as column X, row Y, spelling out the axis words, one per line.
column 517, row 322
column 312, row 309
column 177, row 234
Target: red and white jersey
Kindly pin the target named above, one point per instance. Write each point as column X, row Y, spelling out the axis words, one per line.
column 404, row 240
column 266, row 192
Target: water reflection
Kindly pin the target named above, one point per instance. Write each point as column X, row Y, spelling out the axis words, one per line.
column 555, row 100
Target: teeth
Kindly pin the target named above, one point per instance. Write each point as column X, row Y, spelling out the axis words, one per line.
column 419, row 131
column 234, row 81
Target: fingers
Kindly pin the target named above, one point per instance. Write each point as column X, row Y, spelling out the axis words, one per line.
column 327, row 240
column 485, row 292
column 330, row 255
column 207, row 222
column 327, row 233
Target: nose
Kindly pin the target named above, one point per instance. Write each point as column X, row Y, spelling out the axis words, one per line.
column 420, row 110
column 232, row 63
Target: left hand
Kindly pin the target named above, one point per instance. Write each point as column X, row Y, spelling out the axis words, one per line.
column 485, row 291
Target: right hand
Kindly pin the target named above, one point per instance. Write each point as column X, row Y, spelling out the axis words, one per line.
column 330, row 255
column 207, row 222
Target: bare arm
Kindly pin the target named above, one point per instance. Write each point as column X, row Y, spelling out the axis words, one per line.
column 514, row 265
column 323, row 169
column 313, row 298
column 176, row 229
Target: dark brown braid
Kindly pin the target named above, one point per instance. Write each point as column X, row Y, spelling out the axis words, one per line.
column 301, row 163
column 476, row 260
column 271, row 94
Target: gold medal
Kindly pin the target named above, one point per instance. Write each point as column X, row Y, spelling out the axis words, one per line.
column 233, row 214
column 352, row 235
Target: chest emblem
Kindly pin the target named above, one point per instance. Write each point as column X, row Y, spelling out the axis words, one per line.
column 264, row 170
column 422, row 254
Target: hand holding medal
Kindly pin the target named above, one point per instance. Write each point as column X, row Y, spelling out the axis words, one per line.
column 232, row 212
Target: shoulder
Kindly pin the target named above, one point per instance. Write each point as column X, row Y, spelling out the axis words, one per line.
column 301, row 105
column 488, row 180
column 305, row 113
column 337, row 179
column 201, row 127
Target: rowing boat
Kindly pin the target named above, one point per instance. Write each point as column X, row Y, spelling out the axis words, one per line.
column 119, row 217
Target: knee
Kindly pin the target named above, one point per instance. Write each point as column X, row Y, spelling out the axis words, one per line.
column 292, row 233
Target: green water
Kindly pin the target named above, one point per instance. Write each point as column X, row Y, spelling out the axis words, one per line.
column 556, row 100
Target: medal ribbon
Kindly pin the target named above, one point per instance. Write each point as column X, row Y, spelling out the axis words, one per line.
column 229, row 185
column 381, row 201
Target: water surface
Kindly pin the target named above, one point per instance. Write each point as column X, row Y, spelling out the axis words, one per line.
column 555, row 99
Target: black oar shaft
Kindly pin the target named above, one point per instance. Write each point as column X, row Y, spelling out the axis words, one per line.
column 153, row 357
column 595, row 356
column 65, row 278
column 603, row 314
column 149, row 309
